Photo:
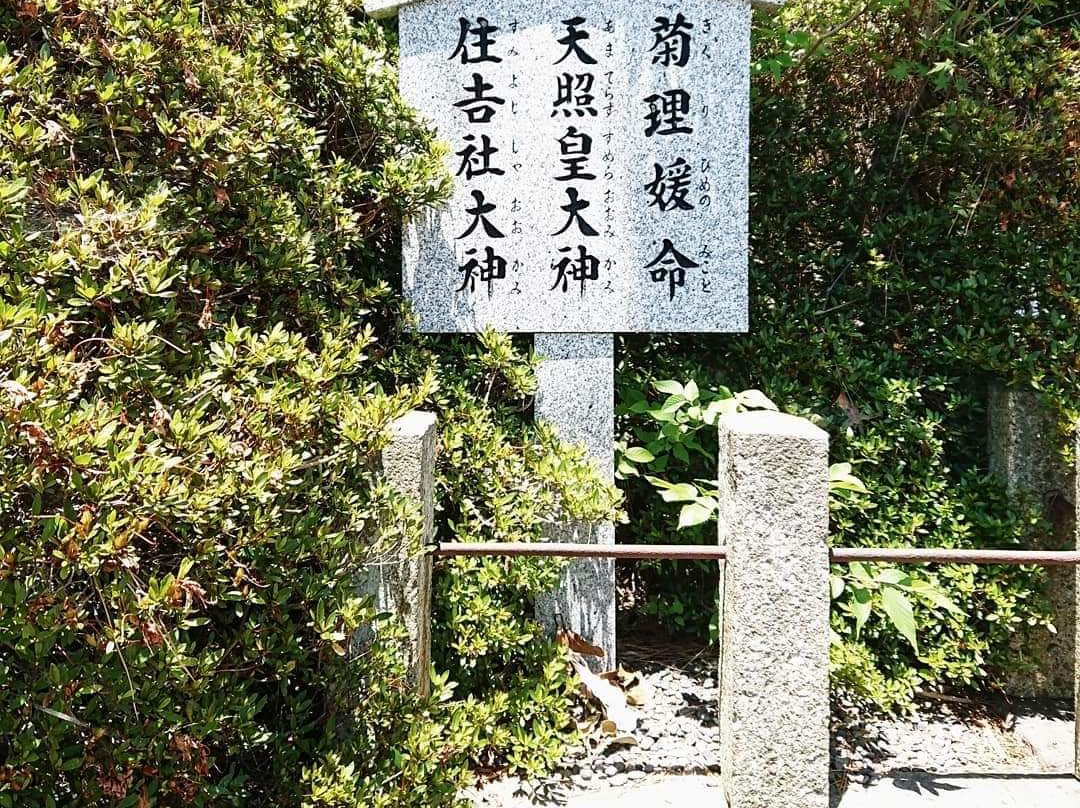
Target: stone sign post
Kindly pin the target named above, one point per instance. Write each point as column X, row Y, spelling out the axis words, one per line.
column 600, row 152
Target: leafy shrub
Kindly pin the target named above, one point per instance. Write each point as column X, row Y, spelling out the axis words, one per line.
column 500, row 482
column 200, row 352
column 913, row 237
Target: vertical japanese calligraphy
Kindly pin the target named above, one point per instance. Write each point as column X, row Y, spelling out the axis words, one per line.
column 575, row 264
column 599, row 164
column 484, row 263
column 668, row 113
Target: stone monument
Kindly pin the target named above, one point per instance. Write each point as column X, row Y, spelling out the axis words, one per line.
column 600, row 156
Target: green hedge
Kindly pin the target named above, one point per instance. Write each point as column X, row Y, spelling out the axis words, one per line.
column 914, row 236
column 200, row 351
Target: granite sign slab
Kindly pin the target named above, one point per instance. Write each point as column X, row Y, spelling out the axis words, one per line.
column 600, row 154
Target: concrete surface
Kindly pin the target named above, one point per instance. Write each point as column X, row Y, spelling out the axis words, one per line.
column 923, row 790
column 1050, row 738
column 900, row 790
column 400, row 583
column 576, row 397
column 774, row 644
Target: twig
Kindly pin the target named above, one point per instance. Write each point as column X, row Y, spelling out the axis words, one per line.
column 821, row 41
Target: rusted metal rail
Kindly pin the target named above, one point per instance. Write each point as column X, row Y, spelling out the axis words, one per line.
column 582, row 550
column 839, row 555
column 913, row 555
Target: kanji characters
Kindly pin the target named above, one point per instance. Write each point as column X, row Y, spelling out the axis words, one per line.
column 670, row 186
column 483, row 32
column 670, row 265
column 672, row 44
column 668, row 113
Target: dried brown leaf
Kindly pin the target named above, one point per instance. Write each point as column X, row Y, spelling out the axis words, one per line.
column 575, row 642
column 854, row 416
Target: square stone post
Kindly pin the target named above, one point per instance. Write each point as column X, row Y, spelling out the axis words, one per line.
column 401, row 583
column 774, row 647
column 576, row 397
column 1021, row 436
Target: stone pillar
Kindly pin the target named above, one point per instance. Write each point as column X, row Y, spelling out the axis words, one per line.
column 1021, row 438
column 576, row 397
column 774, row 657
column 401, row 583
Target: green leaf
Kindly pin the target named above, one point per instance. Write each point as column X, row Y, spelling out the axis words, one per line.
column 669, row 387
column 639, row 454
column 841, row 479
column 676, row 492
column 927, row 590
column 890, row 575
column 724, row 406
column 860, row 608
column 836, row 586
column 858, row 571
column 694, row 514
column 898, row 608
column 673, row 403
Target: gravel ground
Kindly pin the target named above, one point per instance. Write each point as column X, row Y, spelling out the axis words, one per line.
column 677, row 734
column 942, row 736
column 678, row 749
column 677, row 731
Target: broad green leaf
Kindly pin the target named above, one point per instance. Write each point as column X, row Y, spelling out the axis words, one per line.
column 662, row 415
column 694, row 513
column 898, row 608
column 860, row 608
column 725, row 406
column 836, row 586
column 668, row 386
column 639, row 454
column 858, row 571
column 890, row 575
column 841, row 479
column 680, row 492
column 659, row 482
column 927, row 590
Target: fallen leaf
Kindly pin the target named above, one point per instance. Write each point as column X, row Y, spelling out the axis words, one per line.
column 854, row 417
column 575, row 642
column 611, row 698
column 206, row 319
column 160, row 418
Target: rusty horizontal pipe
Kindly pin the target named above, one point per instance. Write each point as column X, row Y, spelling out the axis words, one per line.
column 920, row 555
column 582, row 550
column 839, row 555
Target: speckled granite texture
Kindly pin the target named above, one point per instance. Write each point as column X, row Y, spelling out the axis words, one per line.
column 576, row 397
column 774, row 645
column 603, row 157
